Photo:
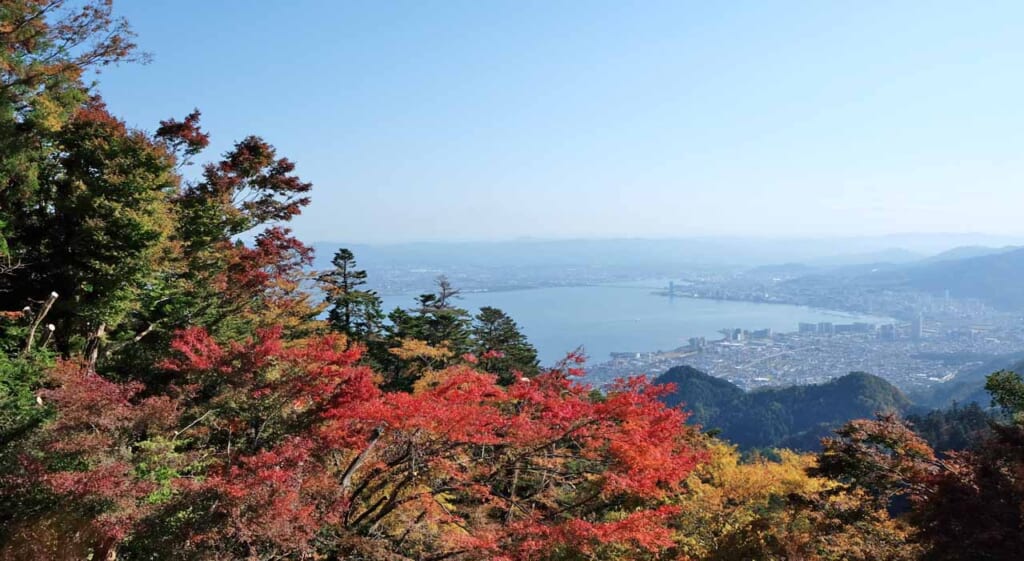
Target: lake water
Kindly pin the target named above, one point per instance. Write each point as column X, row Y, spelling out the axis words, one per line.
column 628, row 318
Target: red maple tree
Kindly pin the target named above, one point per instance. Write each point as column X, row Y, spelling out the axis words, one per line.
column 268, row 447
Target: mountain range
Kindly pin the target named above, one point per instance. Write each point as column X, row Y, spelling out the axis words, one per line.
column 641, row 252
column 990, row 274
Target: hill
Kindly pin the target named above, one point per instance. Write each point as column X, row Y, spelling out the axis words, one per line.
column 793, row 417
column 993, row 278
column 988, row 274
column 985, row 273
column 967, row 387
column 968, row 252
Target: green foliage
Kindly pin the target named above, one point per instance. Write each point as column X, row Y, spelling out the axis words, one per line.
column 436, row 333
column 108, row 223
column 354, row 311
column 955, row 428
column 20, row 409
column 792, row 417
column 1007, row 390
column 501, row 346
column 708, row 397
column 436, row 320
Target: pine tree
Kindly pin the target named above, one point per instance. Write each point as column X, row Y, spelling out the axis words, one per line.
column 501, row 346
column 354, row 311
column 435, row 320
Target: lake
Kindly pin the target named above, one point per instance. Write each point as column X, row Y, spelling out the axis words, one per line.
column 629, row 317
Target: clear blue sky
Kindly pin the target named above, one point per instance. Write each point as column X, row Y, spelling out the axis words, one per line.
column 495, row 120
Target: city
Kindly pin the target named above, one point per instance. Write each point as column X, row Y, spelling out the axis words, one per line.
column 945, row 337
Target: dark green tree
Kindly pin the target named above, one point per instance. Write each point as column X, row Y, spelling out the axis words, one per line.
column 101, row 227
column 435, row 320
column 1007, row 390
column 45, row 48
column 501, row 346
column 956, row 428
column 70, row 175
column 354, row 311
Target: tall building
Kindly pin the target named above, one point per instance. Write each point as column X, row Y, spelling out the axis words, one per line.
column 808, row 328
column 733, row 335
column 917, row 328
column 887, row 332
column 762, row 333
column 863, row 327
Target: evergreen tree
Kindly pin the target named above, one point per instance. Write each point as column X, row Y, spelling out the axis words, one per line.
column 501, row 346
column 354, row 311
column 435, row 320
column 80, row 195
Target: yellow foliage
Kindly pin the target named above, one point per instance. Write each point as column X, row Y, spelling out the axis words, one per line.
column 429, row 379
column 414, row 349
column 289, row 307
column 774, row 510
column 48, row 114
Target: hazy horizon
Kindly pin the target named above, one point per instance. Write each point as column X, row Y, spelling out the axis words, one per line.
column 970, row 238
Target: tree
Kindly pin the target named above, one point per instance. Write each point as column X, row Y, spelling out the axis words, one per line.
column 1007, row 390
column 883, row 456
column 428, row 337
column 501, row 347
column 438, row 321
column 99, row 226
column 211, row 278
column 45, row 48
column 774, row 510
column 353, row 311
column 269, row 449
column 966, row 505
column 70, row 174
column 956, row 428
column 249, row 187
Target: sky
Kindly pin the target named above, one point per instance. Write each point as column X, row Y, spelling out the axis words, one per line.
column 492, row 120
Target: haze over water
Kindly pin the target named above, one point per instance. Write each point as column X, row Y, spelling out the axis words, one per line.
column 629, row 317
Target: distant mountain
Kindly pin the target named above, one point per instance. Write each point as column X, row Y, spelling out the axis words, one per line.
column 968, row 252
column 638, row 252
column 995, row 278
column 968, row 387
column 890, row 256
column 794, row 417
column 782, row 269
column 993, row 275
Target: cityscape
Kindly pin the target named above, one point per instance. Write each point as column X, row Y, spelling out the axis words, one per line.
column 930, row 340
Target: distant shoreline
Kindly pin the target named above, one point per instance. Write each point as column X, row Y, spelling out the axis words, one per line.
column 656, row 291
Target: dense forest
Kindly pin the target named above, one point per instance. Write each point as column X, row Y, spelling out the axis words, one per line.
column 799, row 417
column 795, row 417
column 172, row 387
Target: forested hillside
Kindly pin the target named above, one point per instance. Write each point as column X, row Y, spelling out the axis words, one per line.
column 792, row 417
column 968, row 387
